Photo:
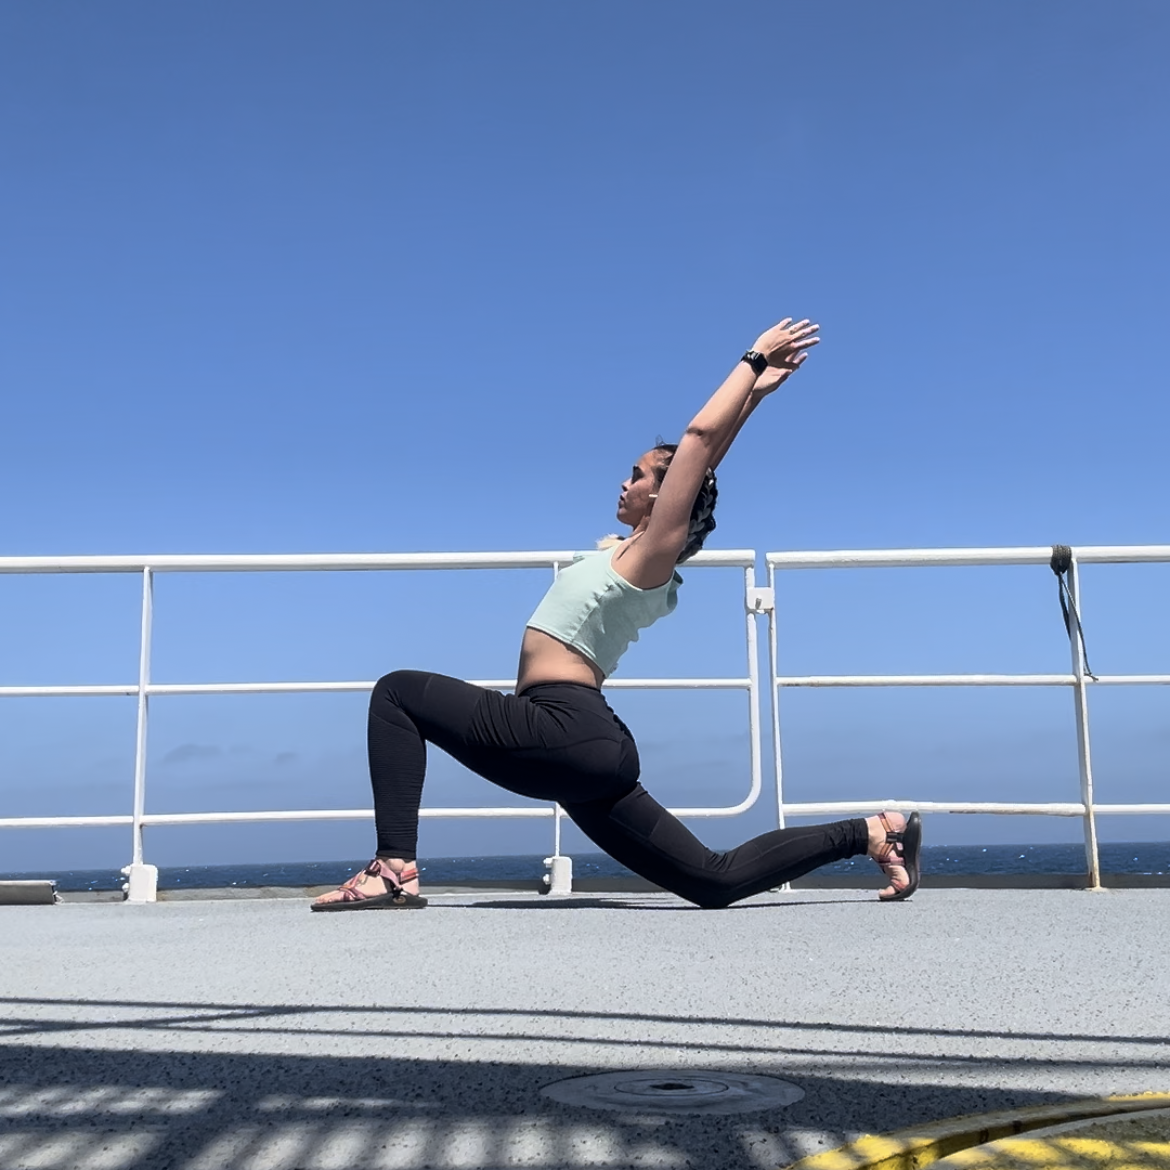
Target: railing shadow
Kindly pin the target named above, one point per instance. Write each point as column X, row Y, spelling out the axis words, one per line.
column 140, row 1084
column 205, row 1011
column 72, row 1109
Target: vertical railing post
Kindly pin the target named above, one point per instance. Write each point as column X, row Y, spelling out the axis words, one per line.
column 774, row 687
column 1084, row 756
column 773, row 674
column 757, row 601
column 559, row 879
column 141, row 879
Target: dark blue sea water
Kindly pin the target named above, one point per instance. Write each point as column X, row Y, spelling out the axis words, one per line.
column 951, row 860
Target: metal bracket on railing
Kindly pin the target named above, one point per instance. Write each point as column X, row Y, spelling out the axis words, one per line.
column 141, row 883
column 760, row 599
column 559, row 879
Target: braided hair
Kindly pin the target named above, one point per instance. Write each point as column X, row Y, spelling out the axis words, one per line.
column 703, row 511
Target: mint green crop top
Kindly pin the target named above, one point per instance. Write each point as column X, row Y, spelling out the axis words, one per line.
column 594, row 609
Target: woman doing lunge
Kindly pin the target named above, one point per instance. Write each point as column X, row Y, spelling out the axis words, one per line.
column 556, row 739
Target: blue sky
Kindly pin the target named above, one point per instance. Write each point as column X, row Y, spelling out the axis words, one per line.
column 291, row 277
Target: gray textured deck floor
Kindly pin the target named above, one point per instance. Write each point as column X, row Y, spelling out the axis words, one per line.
column 253, row 1035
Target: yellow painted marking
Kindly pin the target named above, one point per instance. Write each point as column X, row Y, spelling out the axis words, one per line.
column 1128, row 1141
column 919, row 1146
column 1069, row 1152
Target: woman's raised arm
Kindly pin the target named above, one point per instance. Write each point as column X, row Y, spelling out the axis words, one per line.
column 650, row 560
column 769, row 380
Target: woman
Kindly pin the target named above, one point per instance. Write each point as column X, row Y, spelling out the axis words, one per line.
column 556, row 739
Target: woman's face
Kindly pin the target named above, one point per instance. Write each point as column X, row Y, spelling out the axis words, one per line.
column 635, row 503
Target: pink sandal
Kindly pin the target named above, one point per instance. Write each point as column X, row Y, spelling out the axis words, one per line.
column 902, row 850
column 395, row 897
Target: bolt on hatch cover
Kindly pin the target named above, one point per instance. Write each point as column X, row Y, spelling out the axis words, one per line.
column 666, row 1091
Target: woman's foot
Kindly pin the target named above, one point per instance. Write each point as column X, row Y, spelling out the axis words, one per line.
column 387, row 883
column 895, row 844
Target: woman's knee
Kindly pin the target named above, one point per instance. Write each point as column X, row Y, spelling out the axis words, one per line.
column 395, row 688
column 393, row 680
column 709, row 897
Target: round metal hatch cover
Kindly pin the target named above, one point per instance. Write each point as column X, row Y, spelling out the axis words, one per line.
column 692, row 1091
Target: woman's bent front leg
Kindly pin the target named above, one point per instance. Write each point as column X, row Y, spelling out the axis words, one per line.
column 407, row 707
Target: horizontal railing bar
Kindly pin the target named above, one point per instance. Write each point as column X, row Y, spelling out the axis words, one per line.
column 1128, row 810
column 731, row 810
column 926, row 680
column 678, row 684
column 539, row 811
column 853, row 807
column 907, row 558
column 337, row 562
column 663, row 684
column 495, row 684
column 966, row 680
column 60, row 692
column 63, row 822
column 797, row 809
column 716, row 558
column 910, row 557
column 271, row 688
column 335, row 814
column 275, row 688
column 992, row 808
column 1122, row 554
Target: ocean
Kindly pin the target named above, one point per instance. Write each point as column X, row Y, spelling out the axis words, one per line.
column 944, row 861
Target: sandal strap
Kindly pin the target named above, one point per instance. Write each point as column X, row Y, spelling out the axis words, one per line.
column 349, row 891
column 895, row 838
column 379, row 867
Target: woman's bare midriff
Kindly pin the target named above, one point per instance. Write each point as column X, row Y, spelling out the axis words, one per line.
column 545, row 660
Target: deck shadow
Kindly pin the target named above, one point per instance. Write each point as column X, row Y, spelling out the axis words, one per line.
column 154, row 1110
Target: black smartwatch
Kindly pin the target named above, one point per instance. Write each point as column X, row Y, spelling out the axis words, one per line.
column 756, row 360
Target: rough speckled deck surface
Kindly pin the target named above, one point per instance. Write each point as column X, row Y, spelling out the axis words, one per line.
column 254, row 1035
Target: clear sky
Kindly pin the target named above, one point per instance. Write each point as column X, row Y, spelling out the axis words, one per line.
column 297, row 277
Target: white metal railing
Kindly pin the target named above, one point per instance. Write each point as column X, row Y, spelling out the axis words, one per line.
column 142, row 878
column 1078, row 679
column 758, row 601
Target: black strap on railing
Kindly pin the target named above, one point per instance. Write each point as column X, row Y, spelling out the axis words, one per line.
column 1061, row 564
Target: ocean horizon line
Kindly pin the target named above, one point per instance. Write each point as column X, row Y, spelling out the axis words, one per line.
column 1141, row 857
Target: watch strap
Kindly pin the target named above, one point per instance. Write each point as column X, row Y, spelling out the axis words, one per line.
column 756, row 360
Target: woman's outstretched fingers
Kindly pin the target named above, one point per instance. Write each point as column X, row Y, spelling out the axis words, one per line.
column 783, row 341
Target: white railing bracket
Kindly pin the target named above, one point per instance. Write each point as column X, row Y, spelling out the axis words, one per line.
column 760, row 599
column 141, row 884
column 559, row 879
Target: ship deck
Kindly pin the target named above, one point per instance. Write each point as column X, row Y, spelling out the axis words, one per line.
column 250, row 1034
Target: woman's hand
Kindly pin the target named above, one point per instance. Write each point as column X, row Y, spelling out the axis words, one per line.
column 785, row 346
column 775, row 376
column 783, row 342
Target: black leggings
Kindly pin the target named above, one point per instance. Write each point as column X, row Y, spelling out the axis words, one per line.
column 561, row 742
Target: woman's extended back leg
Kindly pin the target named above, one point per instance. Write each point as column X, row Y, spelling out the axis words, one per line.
column 637, row 831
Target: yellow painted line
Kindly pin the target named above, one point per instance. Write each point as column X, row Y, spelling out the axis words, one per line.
column 1130, row 1141
column 918, row 1146
column 1083, row 1153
